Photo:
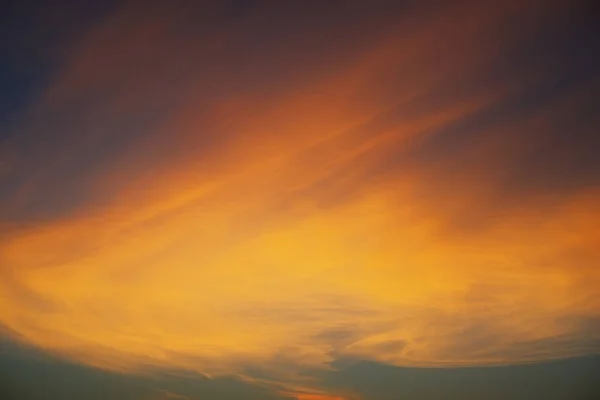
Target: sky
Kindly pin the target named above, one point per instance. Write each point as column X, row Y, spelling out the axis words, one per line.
column 299, row 200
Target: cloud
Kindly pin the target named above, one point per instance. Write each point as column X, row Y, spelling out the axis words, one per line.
column 297, row 184
column 56, row 378
column 564, row 379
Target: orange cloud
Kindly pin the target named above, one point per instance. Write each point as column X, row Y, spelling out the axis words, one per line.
column 262, row 227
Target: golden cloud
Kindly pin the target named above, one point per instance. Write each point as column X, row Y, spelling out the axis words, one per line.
column 282, row 244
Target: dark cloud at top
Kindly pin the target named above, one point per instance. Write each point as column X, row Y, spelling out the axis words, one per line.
column 127, row 72
column 123, row 72
column 34, row 39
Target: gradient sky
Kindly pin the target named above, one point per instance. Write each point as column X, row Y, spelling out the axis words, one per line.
column 311, row 200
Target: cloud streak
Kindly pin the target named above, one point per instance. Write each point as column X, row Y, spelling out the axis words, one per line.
column 250, row 198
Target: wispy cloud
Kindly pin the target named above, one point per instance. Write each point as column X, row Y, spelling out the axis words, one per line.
column 393, row 183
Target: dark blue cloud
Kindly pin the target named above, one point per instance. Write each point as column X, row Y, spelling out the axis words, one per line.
column 573, row 379
column 34, row 37
column 27, row 374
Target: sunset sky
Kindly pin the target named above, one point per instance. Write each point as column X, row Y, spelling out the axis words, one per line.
column 310, row 200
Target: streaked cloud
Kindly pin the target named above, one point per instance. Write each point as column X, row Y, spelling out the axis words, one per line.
column 246, row 193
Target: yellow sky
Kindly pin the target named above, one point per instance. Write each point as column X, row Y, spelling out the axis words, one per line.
column 288, row 241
